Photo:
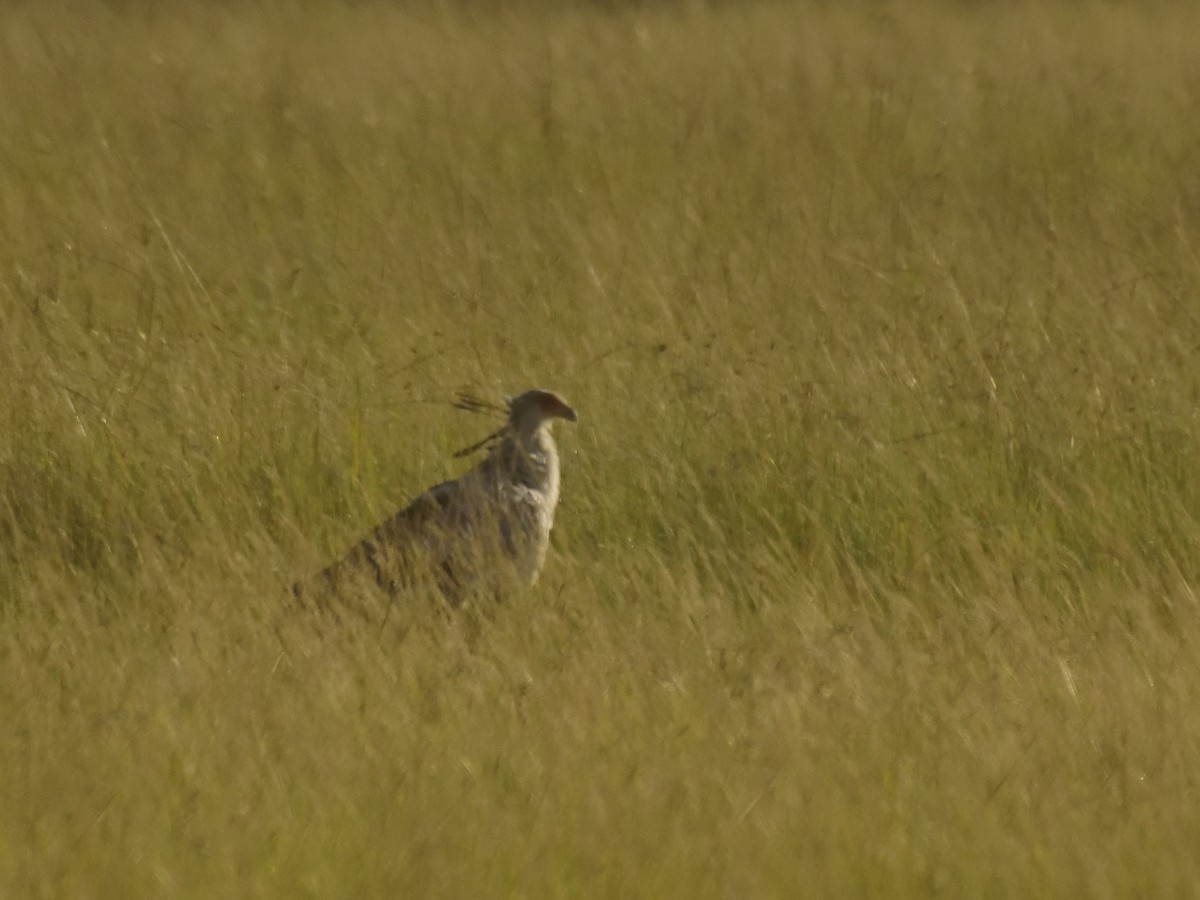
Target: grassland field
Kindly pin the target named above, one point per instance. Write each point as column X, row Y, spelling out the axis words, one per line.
column 876, row 569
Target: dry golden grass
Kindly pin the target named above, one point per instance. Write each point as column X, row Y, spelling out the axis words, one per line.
column 875, row 571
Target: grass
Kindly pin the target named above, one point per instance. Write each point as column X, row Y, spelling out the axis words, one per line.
column 875, row 569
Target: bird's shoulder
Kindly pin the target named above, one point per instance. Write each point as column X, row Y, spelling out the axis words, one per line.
column 431, row 506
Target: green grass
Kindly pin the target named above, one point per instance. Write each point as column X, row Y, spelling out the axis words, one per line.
column 875, row 571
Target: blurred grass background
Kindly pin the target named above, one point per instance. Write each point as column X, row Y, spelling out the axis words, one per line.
column 874, row 572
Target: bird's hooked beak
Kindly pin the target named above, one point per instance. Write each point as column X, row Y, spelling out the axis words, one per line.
column 552, row 406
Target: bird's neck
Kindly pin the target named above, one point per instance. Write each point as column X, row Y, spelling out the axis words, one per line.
column 535, row 460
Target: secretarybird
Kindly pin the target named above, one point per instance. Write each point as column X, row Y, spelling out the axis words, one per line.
column 483, row 531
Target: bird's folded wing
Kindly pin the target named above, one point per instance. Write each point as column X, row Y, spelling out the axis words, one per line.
column 385, row 554
column 430, row 512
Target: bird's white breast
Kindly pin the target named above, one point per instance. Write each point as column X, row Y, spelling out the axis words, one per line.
column 540, row 497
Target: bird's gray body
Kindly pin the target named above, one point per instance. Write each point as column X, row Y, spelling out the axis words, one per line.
column 483, row 532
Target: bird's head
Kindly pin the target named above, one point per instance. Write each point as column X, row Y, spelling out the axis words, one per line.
column 531, row 410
